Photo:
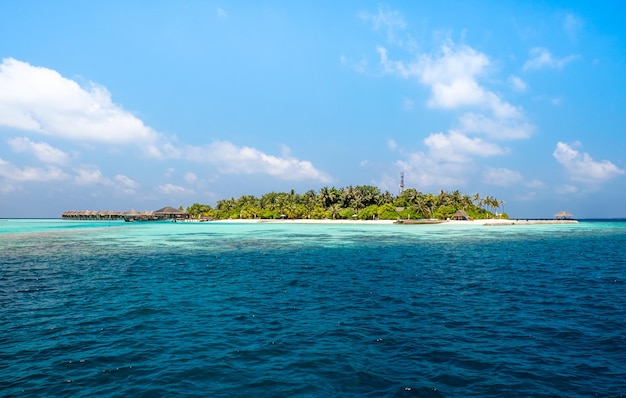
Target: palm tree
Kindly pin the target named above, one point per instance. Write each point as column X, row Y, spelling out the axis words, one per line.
column 347, row 196
column 477, row 200
column 384, row 198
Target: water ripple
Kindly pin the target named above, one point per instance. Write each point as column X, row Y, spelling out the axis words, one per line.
column 269, row 310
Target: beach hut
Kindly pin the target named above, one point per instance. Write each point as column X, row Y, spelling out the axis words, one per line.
column 169, row 212
column 563, row 215
column 460, row 215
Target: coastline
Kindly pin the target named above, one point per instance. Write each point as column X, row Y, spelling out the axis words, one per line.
column 484, row 222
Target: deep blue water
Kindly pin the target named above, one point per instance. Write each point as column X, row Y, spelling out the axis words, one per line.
column 271, row 310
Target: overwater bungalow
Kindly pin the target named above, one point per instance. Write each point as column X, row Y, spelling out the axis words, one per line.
column 166, row 213
column 563, row 215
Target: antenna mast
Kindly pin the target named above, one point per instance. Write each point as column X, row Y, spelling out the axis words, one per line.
column 401, row 182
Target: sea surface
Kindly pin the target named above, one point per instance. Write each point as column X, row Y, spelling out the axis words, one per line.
column 114, row 309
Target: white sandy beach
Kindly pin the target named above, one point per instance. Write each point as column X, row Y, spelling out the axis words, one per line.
column 485, row 222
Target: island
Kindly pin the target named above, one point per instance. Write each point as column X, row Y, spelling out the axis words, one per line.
column 351, row 203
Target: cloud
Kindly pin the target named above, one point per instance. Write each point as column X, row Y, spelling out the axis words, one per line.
column 540, row 58
column 12, row 172
column 90, row 176
column 358, row 66
column 408, row 104
column 447, row 161
column 572, row 24
column 387, row 20
column 452, row 75
column 40, row 100
column 221, row 13
column 457, row 147
column 535, row 184
column 231, row 159
column 502, row 176
column 518, row 84
column 508, row 129
column 191, row 178
column 125, row 184
column 6, row 186
column 422, row 170
column 126, row 181
column 93, row 176
column 566, row 189
column 581, row 167
column 169, row 189
column 41, row 150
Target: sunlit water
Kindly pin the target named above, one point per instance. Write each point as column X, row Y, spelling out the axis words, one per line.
column 171, row 309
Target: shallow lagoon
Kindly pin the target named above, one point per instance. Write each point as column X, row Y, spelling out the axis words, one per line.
column 223, row 309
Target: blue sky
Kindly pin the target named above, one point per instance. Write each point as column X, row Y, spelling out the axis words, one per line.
column 120, row 104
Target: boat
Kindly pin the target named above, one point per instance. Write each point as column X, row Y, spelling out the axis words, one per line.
column 419, row 221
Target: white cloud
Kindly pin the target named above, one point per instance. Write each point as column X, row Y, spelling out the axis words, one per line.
column 126, row 181
column 540, row 58
column 572, row 24
column 453, row 74
column 387, row 20
column 169, row 189
column 422, row 170
column 391, row 144
column 191, row 178
column 358, row 66
column 40, row 100
column 6, row 186
column 501, row 176
column 581, row 167
column 41, row 150
column 566, row 189
column 457, row 147
column 408, row 104
column 509, row 129
column 535, row 184
column 231, row 159
column 556, row 101
column 90, row 176
column 448, row 160
column 12, row 172
column 93, row 176
column 518, row 84
column 452, row 77
column 221, row 13
column 125, row 184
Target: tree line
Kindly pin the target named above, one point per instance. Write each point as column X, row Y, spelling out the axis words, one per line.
column 362, row 202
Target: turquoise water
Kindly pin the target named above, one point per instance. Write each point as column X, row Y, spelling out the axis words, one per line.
column 208, row 309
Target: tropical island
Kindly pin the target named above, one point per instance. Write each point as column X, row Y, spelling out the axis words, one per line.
column 331, row 205
column 363, row 202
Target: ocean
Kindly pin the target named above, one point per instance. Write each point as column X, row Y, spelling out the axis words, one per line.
column 114, row 309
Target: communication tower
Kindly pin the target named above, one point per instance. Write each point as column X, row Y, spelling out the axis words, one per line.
column 401, row 182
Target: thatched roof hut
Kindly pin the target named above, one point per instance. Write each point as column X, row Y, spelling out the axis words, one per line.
column 563, row 215
column 170, row 213
column 461, row 215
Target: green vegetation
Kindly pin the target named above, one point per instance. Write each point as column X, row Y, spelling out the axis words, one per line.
column 361, row 202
